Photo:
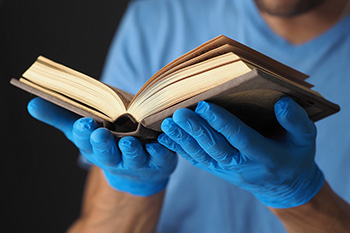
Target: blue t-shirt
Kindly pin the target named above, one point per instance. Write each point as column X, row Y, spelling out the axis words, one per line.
column 154, row 32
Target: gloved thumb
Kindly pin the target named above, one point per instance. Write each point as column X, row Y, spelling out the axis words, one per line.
column 53, row 115
column 295, row 120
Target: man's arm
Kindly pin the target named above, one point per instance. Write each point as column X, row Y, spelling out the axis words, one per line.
column 107, row 210
column 326, row 212
column 125, row 193
column 280, row 171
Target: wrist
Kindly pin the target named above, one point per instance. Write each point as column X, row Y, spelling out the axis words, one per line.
column 298, row 192
column 105, row 209
column 136, row 186
column 325, row 212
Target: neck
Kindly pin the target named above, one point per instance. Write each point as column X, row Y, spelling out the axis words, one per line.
column 304, row 27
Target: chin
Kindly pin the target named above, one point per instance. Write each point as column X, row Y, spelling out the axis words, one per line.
column 287, row 8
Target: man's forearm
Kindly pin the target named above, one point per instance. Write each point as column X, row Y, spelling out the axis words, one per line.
column 107, row 210
column 325, row 213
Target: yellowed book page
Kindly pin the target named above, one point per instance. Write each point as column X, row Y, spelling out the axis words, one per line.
column 200, row 58
column 67, row 100
column 175, row 76
column 186, row 72
column 203, row 48
column 189, row 87
column 84, row 89
column 252, row 65
column 241, row 50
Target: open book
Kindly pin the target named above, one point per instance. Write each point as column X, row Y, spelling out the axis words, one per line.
column 223, row 71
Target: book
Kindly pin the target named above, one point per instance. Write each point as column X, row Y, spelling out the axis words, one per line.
column 222, row 71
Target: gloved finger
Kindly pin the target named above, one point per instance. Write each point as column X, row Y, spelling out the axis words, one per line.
column 213, row 143
column 173, row 146
column 237, row 133
column 133, row 155
column 82, row 130
column 295, row 120
column 160, row 156
column 104, row 147
column 188, row 144
column 53, row 115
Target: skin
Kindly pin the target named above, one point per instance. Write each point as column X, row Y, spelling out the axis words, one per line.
column 108, row 210
column 326, row 212
column 286, row 8
column 285, row 18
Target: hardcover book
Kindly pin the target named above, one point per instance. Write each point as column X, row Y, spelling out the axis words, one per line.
column 222, row 71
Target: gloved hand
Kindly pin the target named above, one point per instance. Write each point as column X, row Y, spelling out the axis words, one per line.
column 128, row 168
column 280, row 172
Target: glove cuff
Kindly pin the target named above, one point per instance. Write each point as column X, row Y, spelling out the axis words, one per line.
column 297, row 193
column 138, row 188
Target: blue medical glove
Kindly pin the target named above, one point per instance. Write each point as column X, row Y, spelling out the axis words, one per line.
column 280, row 172
column 128, row 167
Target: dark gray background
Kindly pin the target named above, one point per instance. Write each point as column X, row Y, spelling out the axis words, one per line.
column 41, row 185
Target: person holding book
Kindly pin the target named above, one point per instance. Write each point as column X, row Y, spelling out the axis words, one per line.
column 228, row 177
